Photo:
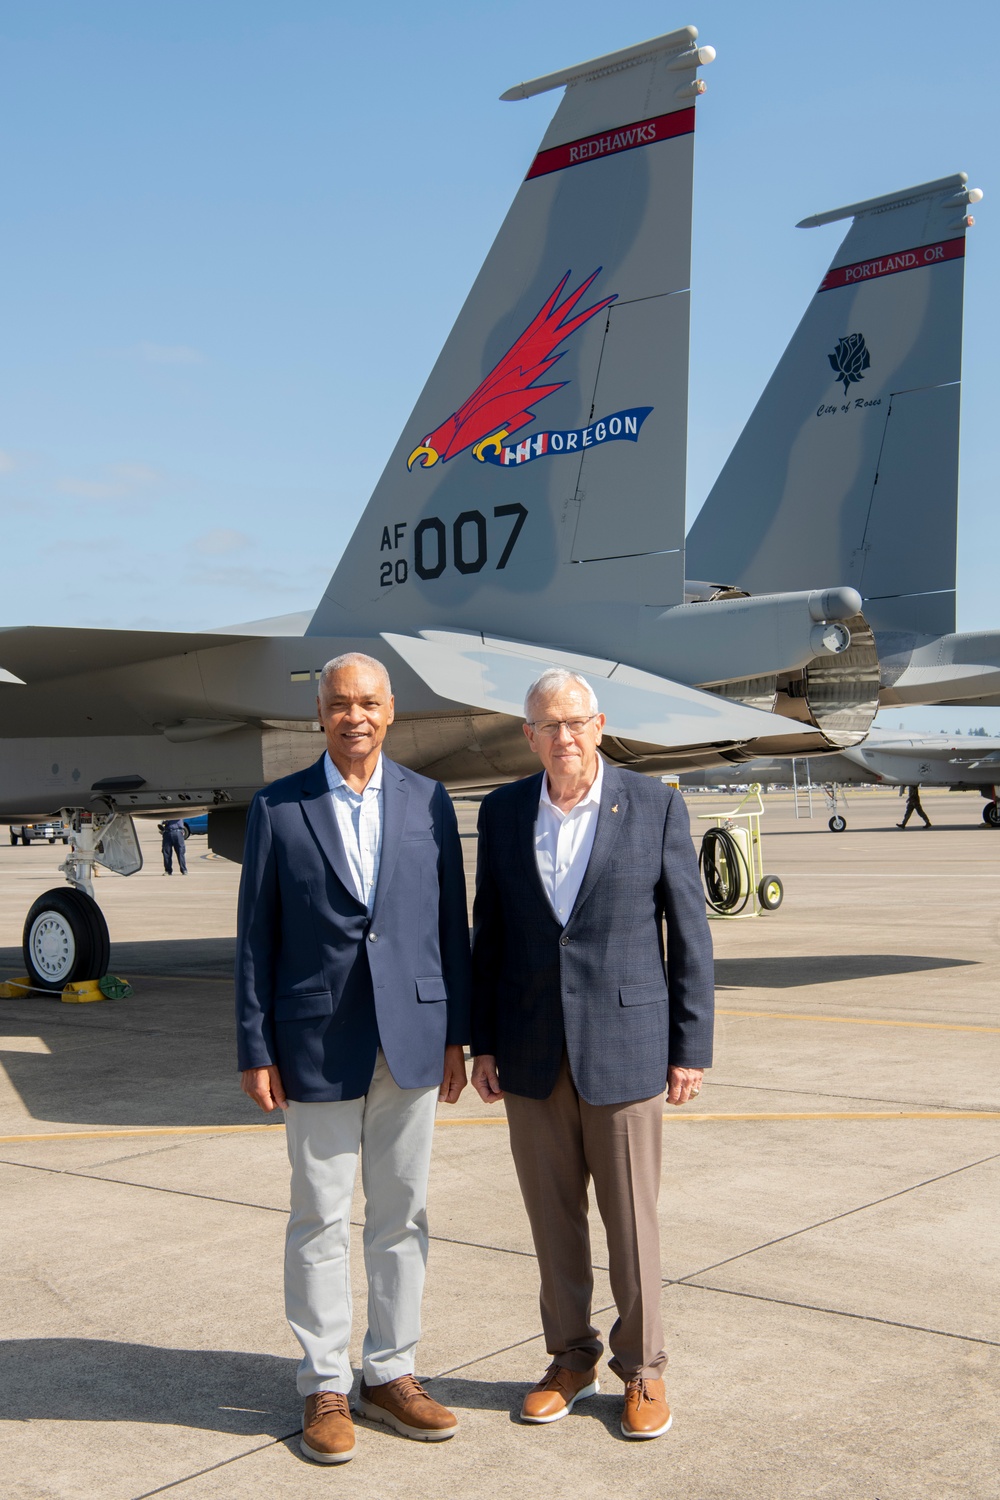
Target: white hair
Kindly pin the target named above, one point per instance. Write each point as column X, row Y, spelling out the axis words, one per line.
column 352, row 659
column 553, row 681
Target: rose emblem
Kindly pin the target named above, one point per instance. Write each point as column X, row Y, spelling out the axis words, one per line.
column 850, row 359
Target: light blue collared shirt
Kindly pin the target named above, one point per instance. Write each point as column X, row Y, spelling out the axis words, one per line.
column 359, row 820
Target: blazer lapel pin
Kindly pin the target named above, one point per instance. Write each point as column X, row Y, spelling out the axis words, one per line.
column 615, row 808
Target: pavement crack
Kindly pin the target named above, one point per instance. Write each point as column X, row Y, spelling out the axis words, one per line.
column 833, row 1219
column 840, row 1312
column 762, row 1088
column 267, row 1208
column 148, row 1187
column 175, row 1484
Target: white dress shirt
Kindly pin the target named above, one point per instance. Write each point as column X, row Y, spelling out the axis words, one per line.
column 359, row 819
column 563, row 844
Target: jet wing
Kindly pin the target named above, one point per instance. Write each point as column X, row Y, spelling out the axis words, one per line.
column 44, row 653
column 494, row 675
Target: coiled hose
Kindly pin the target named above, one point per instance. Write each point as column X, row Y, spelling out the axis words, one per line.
column 721, row 861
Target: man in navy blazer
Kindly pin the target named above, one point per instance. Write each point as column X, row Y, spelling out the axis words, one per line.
column 582, row 1020
column 352, row 1006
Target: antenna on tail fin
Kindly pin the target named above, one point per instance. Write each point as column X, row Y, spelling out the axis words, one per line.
column 537, row 490
column 848, row 465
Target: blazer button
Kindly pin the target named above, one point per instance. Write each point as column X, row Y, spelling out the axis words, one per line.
column 373, row 937
column 564, row 941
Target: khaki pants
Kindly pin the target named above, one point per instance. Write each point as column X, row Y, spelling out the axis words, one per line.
column 559, row 1144
column 393, row 1129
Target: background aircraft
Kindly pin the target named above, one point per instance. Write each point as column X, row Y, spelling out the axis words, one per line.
column 531, row 512
column 962, row 763
column 849, row 462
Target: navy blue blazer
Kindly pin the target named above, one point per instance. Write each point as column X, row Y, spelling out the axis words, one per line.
column 601, row 987
column 320, row 985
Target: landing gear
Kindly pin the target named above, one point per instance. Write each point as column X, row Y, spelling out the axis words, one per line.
column 65, row 935
column 834, row 795
column 991, row 814
column 65, row 939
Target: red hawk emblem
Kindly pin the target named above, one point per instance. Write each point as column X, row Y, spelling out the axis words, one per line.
column 501, row 403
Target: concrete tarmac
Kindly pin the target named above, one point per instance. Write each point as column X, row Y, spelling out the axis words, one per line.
column 829, row 1212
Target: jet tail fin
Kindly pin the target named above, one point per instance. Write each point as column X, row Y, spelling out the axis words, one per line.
column 848, row 465
column 538, row 488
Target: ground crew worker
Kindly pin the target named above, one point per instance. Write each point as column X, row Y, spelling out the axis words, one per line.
column 913, row 806
column 173, row 843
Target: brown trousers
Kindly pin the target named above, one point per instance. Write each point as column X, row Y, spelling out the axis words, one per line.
column 559, row 1144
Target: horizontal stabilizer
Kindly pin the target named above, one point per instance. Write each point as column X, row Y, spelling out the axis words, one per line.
column 494, row 675
column 42, row 653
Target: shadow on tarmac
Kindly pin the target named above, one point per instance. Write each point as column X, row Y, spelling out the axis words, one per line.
column 164, row 1056
column 182, row 958
column 505, row 1395
column 96, row 1380
column 789, row 971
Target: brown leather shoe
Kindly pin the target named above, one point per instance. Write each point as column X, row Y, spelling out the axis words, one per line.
column 646, row 1413
column 557, row 1393
column 327, row 1428
column 404, row 1405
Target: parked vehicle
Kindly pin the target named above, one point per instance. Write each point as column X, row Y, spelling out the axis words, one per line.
column 38, row 833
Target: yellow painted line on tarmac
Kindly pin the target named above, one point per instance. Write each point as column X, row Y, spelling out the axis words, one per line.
column 675, row 1117
column 784, row 1015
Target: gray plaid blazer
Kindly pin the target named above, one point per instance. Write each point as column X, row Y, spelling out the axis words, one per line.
column 604, row 988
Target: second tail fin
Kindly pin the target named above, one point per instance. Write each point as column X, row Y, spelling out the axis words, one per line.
column 847, row 470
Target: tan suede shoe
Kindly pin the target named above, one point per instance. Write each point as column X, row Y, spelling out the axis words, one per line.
column 404, row 1405
column 327, row 1428
column 557, row 1393
column 646, row 1413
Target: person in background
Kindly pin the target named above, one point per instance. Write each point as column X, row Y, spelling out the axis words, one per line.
column 913, row 806
column 173, row 843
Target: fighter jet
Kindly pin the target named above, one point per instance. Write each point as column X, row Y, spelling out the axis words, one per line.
column 531, row 513
column 962, row 763
column 848, row 464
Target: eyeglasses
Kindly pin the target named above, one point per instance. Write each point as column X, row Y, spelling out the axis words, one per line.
column 552, row 726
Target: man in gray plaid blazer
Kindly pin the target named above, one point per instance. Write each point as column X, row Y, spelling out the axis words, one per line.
column 582, row 1022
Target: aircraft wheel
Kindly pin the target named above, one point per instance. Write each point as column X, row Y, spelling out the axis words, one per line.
column 13, row 837
column 65, row 939
column 991, row 814
column 25, row 840
column 837, row 824
column 770, row 893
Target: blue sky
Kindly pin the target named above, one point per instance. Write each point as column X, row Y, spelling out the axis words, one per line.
column 235, row 235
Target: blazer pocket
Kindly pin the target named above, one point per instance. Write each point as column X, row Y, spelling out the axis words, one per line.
column 642, row 994
column 432, row 988
column 303, row 1007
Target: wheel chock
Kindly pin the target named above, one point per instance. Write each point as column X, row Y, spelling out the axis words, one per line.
column 115, row 988
column 82, row 992
column 15, row 989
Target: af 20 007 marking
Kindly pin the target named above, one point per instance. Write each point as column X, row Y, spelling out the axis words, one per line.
column 468, row 544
